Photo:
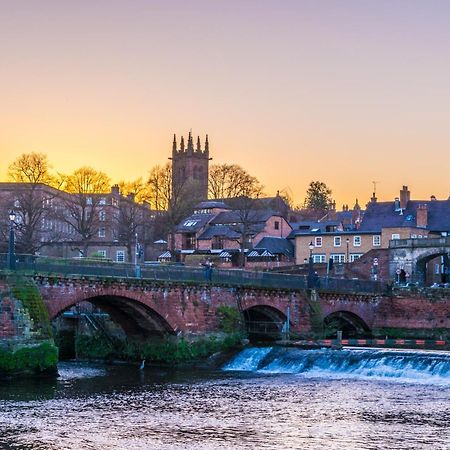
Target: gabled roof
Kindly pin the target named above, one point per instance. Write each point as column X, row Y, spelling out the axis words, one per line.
column 380, row 215
column 276, row 246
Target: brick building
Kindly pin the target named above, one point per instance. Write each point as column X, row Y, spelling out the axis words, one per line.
column 50, row 222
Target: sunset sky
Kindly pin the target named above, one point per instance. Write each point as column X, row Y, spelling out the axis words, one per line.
column 346, row 92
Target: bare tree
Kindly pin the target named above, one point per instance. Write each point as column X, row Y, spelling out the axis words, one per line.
column 136, row 188
column 231, row 181
column 31, row 168
column 177, row 201
column 82, row 207
column 32, row 200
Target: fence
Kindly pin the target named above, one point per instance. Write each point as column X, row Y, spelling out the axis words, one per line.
column 194, row 275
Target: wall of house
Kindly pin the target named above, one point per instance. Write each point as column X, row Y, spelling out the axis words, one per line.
column 328, row 246
column 269, row 230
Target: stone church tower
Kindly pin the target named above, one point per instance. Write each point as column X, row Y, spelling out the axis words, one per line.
column 190, row 167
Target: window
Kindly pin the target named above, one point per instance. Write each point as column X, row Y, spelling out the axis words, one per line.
column 319, row 258
column 337, row 241
column 115, row 202
column 102, row 201
column 101, row 253
column 376, row 240
column 356, row 241
column 338, row 257
column 88, row 200
column 120, row 256
column 395, row 236
column 102, row 216
column 190, row 223
column 277, row 225
column 101, row 232
column 318, row 242
column 355, row 256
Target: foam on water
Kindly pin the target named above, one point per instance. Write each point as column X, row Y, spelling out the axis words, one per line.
column 408, row 366
column 248, row 359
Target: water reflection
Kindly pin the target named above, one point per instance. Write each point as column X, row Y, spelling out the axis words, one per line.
column 120, row 407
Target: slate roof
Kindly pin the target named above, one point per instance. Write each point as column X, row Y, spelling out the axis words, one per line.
column 209, row 204
column 219, row 230
column 276, row 246
column 308, row 227
column 193, row 223
column 254, row 216
column 383, row 215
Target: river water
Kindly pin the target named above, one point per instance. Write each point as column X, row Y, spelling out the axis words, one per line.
column 265, row 398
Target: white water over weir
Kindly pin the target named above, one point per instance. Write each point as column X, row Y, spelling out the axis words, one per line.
column 401, row 366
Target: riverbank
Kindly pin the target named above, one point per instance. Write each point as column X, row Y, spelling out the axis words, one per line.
column 29, row 360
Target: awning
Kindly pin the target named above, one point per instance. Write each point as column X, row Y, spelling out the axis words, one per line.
column 165, row 255
column 225, row 254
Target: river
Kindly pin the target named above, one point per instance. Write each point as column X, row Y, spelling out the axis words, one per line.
column 265, row 398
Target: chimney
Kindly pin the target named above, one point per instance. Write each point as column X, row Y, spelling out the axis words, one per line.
column 131, row 196
column 397, row 204
column 404, row 197
column 422, row 216
column 115, row 189
column 433, row 198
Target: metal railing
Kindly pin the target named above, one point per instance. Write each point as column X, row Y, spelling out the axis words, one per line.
column 186, row 274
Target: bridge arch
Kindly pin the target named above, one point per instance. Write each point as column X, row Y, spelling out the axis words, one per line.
column 264, row 322
column 137, row 316
column 428, row 275
column 351, row 325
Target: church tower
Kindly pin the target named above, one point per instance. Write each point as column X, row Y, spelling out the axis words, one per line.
column 190, row 166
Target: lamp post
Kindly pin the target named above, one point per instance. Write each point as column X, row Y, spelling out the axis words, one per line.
column 137, row 255
column 311, row 279
column 11, row 248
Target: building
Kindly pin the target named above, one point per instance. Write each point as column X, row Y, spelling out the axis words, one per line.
column 190, row 167
column 215, row 228
column 50, row 222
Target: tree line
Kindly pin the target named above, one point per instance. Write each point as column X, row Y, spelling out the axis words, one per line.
column 80, row 210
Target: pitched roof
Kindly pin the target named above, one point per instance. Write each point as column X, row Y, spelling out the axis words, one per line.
column 194, row 223
column 276, row 246
column 210, row 204
column 219, row 230
column 236, row 216
column 383, row 215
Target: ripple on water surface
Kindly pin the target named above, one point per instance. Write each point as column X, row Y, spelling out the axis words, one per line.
column 122, row 408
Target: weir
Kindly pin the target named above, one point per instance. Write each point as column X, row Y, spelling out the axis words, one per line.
column 376, row 364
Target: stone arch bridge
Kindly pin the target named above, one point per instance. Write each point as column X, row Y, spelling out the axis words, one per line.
column 413, row 255
column 149, row 307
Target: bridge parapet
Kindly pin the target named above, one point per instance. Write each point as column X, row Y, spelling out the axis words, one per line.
column 197, row 276
column 443, row 241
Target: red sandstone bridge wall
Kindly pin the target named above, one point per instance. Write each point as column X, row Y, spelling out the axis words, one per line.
column 193, row 309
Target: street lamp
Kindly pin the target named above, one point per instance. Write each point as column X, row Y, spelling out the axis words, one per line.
column 310, row 266
column 11, row 248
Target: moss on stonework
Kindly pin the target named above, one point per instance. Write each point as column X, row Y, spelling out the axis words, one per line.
column 25, row 290
column 163, row 350
column 29, row 360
